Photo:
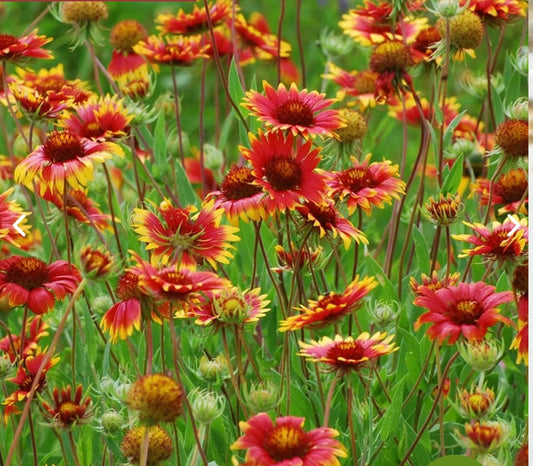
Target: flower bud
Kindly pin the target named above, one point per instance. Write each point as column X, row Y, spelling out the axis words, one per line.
column 482, row 355
column 6, row 367
column 212, row 369
column 112, row 421
column 262, row 397
column 334, row 45
column 384, row 313
column 206, row 406
column 443, row 210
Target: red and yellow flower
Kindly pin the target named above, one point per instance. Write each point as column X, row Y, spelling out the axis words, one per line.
column 285, row 442
column 497, row 11
column 331, row 307
column 509, row 189
column 346, row 354
column 358, row 84
column 434, row 282
column 496, row 244
column 468, row 309
column 239, row 196
column 184, row 239
column 257, row 42
column 10, row 344
column 67, row 412
column 31, row 282
column 327, row 220
column 367, row 184
column 52, row 85
column 26, row 373
column 231, row 306
column 64, row 159
column 172, row 50
column 300, row 112
column 13, row 49
column 176, row 285
column 124, row 316
column 99, row 118
column 196, row 21
column 285, row 173
column 371, row 24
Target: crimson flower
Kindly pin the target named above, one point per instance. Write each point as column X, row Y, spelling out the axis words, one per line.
column 367, row 184
column 300, row 112
column 331, row 307
column 285, row 173
column 30, row 281
column 286, row 443
column 468, row 309
column 13, row 48
column 346, row 354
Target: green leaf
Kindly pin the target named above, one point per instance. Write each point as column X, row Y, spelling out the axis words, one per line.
column 448, row 133
column 388, row 289
column 234, row 84
column 453, row 180
column 186, row 193
column 421, row 251
column 388, row 423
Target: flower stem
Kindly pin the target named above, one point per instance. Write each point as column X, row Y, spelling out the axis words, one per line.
column 432, row 410
column 327, row 408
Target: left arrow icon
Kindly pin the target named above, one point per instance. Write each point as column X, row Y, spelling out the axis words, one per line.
column 16, row 224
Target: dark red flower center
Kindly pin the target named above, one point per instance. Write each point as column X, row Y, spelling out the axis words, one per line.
column 286, row 443
column 357, row 178
column 465, row 312
column 346, row 353
column 128, row 287
column 50, row 83
column 512, row 186
column 283, row 173
column 69, row 412
column 7, row 40
column 92, row 130
column 365, row 82
column 62, row 146
column 238, row 184
column 28, row 272
column 326, row 214
column 294, row 112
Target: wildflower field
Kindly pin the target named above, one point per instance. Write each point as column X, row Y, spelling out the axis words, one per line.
column 263, row 233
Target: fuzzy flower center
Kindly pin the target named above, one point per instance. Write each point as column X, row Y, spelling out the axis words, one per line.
column 365, row 82
column 62, row 146
column 357, row 178
column 465, row 312
column 513, row 185
column 346, row 352
column 390, row 56
column 238, row 184
column 283, row 173
column 324, row 213
column 28, row 272
column 69, row 412
column 286, row 443
column 49, row 84
column 128, row 286
column 126, row 34
column 294, row 112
